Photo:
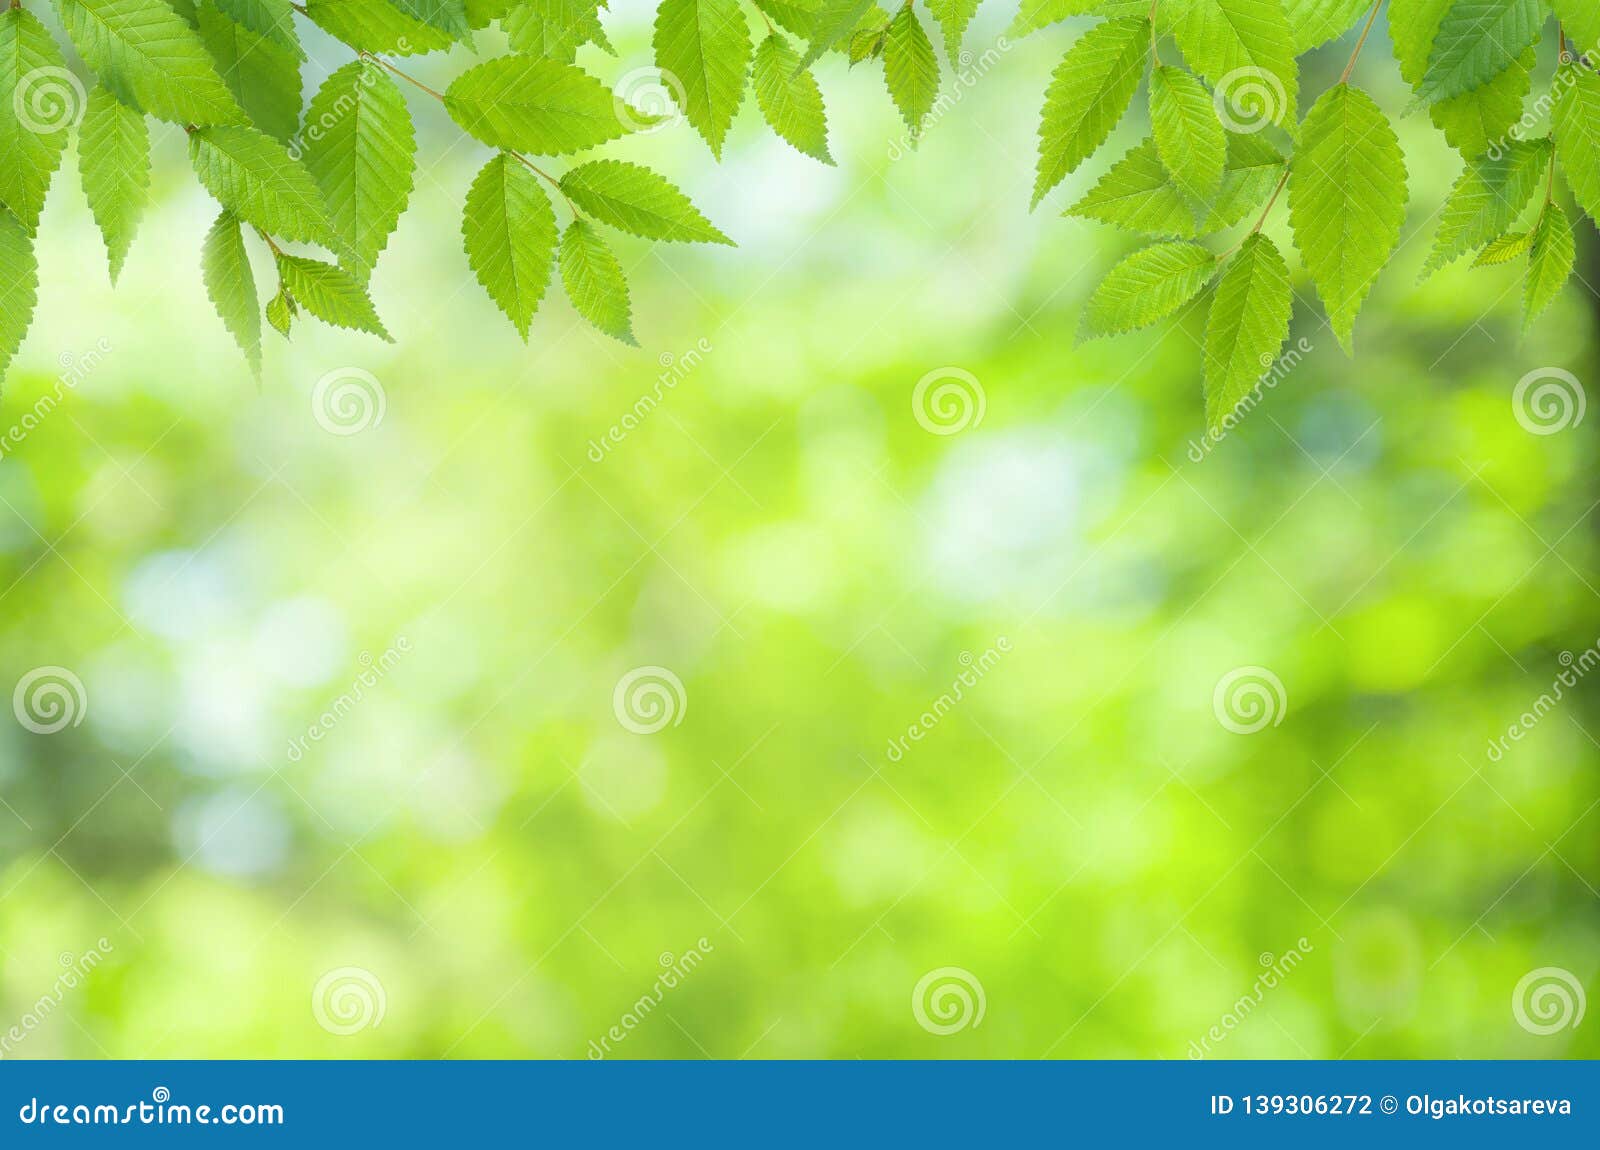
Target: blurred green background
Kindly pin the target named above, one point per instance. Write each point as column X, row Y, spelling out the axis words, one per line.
column 484, row 838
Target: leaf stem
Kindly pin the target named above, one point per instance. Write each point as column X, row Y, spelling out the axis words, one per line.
column 1276, row 192
column 382, row 63
column 538, row 171
column 1361, row 42
column 276, row 250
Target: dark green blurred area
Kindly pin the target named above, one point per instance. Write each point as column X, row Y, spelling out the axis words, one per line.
column 1080, row 833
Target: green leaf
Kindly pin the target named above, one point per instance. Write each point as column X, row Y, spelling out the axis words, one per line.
column 789, row 98
column 1189, row 137
column 39, row 100
column 225, row 269
column 1036, row 14
column 1089, row 91
column 1242, row 42
column 510, row 232
column 1549, row 264
column 795, row 16
column 1577, row 135
column 1505, row 249
column 19, row 286
column 1138, row 193
column 594, row 281
column 376, row 26
column 1581, row 18
column 953, row 17
column 706, row 45
column 449, row 16
column 554, row 29
column 1347, row 199
column 255, row 178
column 1477, row 41
column 1146, row 287
column 836, row 20
column 1472, row 121
column 866, row 42
column 911, row 69
column 262, row 74
column 149, row 57
column 531, row 105
column 638, row 201
column 361, row 151
column 280, row 312
column 114, row 163
column 1313, row 23
column 272, row 19
column 1488, row 196
column 1248, row 323
column 330, row 293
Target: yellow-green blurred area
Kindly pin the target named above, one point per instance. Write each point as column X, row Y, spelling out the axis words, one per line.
column 1079, row 832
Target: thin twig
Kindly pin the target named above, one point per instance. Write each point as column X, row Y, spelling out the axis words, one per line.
column 1372, row 18
column 382, row 63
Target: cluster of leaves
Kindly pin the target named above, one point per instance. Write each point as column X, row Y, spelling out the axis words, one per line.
column 1226, row 140
column 337, row 173
column 1211, row 158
